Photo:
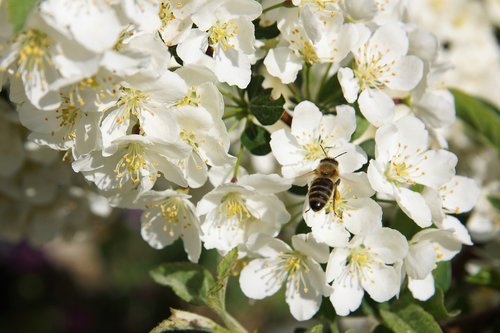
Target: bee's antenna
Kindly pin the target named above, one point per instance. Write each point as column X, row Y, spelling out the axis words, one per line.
column 340, row 154
column 323, row 149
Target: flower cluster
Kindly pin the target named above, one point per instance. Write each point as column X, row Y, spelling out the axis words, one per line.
column 137, row 94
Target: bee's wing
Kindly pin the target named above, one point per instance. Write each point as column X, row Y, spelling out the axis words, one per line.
column 305, row 178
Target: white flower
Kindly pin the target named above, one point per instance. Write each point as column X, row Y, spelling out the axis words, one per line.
column 381, row 63
column 224, row 28
column 132, row 161
column 403, row 160
column 316, row 36
column 428, row 247
column 168, row 215
column 93, row 24
column 143, row 101
column 484, row 221
column 235, row 211
column 354, row 212
column 313, row 134
column 298, row 269
column 365, row 265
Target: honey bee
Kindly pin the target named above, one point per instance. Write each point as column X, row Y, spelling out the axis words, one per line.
column 324, row 186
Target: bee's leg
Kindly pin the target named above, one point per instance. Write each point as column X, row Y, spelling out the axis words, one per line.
column 334, row 196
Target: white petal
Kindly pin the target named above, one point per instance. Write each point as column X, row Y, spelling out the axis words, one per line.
column 438, row 167
column 362, row 216
column 390, row 37
column 285, row 147
column 414, row 205
column 459, row 230
column 422, row 289
column 388, row 244
column 381, row 282
column 460, row 194
column 232, row 67
column 257, row 279
column 349, row 84
column 377, row 178
column 306, row 122
column 421, row 260
column 283, row 64
column 303, row 303
column 337, row 263
column 376, row 106
column 347, row 295
column 305, row 243
column 408, row 72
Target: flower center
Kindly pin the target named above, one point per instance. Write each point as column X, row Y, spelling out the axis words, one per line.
column 314, row 151
column 221, row 33
column 132, row 164
column 309, row 54
column 371, row 69
column 295, row 266
column 132, row 101
column 192, row 98
column 233, row 206
column 166, row 15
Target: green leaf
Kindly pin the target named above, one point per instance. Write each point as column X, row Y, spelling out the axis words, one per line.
column 266, row 109
column 495, row 202
column 435, row 306
column 369, row 147
column 217, row 294
column 411, row 319
column 265, row 32
column 361, row 126
column 189, row 281
column 488, row 276
column 256, row 139
column 480, row 115
column 187, row 321
column 351, row 330
column 442, row 275
column 315, row 329
column 18, row 12
column 255, row 86
column 405, row 225
column 331, row 91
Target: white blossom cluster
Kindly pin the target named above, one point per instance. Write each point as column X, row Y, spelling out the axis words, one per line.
column 130, row 90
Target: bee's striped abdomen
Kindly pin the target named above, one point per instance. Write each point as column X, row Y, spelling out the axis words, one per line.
column 320, row 192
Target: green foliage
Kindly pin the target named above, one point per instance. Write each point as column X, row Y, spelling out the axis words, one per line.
column 265, row 32
column 369, row 147
column 495, row 201
column 256, row 139
column 315, row 329
column 189, row 281
column 266, row 109
column 361, row 126
column 187, row 321
column 405, row 225
column 410, row 319
column 442, row 275
column 330, row 92
column 483, row 117
column 18, row 11
column 488, row 276
column 435, row 306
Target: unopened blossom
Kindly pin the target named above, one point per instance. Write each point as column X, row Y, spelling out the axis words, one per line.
column 224, row 31
column 366, row 264
column 354, row 212
column 402, row 160
column 381, row 63
column 314, row 136
column 298, row 269
column 233, row 212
